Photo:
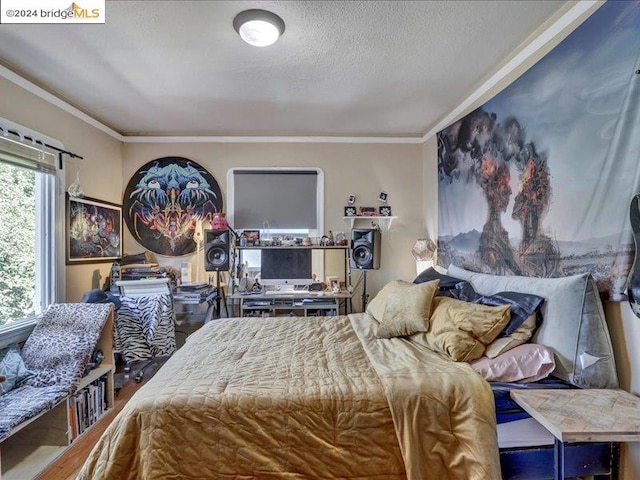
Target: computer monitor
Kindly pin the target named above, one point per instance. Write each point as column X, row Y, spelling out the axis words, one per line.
column 285, row 266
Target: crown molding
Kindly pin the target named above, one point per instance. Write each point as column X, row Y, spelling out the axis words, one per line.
column 523, row 55
column 58, row 102
column 270, row 139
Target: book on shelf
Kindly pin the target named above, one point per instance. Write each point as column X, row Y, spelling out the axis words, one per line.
column 86, row 406
column 139, row 267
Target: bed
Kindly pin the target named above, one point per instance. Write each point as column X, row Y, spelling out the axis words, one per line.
column 357, row 396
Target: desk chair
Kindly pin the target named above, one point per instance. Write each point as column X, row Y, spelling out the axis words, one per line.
column 145, row 324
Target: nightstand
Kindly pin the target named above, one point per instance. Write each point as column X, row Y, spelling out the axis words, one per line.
column 582, row 415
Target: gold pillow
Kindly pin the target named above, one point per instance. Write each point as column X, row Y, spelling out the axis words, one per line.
column 376, row 306
column 462, row 330
column 407, row 308
column 520, row 335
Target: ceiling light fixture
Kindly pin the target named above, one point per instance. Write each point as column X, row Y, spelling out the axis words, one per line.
column 259, row 28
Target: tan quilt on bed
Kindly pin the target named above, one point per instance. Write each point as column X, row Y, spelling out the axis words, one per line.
column 284, row 398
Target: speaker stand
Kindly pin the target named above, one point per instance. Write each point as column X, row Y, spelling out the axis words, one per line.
column 365, row 295
column 219, row 297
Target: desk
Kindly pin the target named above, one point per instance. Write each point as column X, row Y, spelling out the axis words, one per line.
column 274, row 303
column 589, row 415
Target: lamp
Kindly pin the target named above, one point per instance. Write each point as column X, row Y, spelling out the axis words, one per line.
column 259, row 28
column 423, row 251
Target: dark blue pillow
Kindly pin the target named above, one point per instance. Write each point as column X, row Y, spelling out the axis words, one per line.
column 446, row 282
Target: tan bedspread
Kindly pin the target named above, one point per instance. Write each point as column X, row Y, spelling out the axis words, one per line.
column 443, row 411
column 283, row 398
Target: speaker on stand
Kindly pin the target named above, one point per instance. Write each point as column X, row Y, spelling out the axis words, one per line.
column 217, row 247
column 365, row 254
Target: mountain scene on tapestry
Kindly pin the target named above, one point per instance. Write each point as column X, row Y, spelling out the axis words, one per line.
column 538, row 180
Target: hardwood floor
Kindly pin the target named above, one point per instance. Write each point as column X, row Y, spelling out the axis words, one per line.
column 67, row 465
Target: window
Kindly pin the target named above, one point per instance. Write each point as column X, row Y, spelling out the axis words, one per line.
column 28, row 212
column 276, row 201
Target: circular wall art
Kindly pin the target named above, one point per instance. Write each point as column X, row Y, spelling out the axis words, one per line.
column 165, row 199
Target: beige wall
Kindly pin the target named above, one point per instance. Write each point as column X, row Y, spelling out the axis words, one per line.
column 362, row 170
column 100, row 171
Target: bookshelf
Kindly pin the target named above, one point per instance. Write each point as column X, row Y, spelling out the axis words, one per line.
column 35, row 443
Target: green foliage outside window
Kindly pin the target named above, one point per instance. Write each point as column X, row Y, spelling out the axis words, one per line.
column 17, row 243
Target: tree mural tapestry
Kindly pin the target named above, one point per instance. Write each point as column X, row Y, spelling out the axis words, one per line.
column 538, row 180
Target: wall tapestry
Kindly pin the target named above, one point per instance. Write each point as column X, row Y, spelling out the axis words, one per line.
column 538, row 180
column 165, row 199
column 94, row 230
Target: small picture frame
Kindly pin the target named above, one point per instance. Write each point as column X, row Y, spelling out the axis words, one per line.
column 384, row 211
column 368, row 211
column 350, row 211
column 253, row 238
column 333, row 284
column 383, row 197
column 351, row 200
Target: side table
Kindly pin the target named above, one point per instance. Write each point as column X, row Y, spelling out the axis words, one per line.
column 582, row 415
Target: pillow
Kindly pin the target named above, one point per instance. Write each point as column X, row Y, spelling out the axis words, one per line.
column 574, row 324
column 13, row 368
column 462, row 330
column 521, row 335
column 522, row 304
column 525, row 363
column 377, row 304
column 446, row 282
column 407, row 308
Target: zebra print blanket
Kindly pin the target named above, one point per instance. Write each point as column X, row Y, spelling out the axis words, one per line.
column 144, row 327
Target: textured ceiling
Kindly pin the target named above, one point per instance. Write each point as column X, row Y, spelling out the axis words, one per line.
column 357, row 68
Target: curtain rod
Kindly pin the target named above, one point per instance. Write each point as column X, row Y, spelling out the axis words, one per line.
column 34, row 140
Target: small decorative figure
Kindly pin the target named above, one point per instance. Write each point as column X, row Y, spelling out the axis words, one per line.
column 219, row 221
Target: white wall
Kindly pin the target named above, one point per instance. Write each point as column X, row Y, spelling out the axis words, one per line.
column 625, row 332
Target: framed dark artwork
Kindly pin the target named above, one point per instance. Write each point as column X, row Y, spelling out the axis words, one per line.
column 350, row 211
column 384, row 211
column 383, row 197
column 93, row 230
column 165, row 200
